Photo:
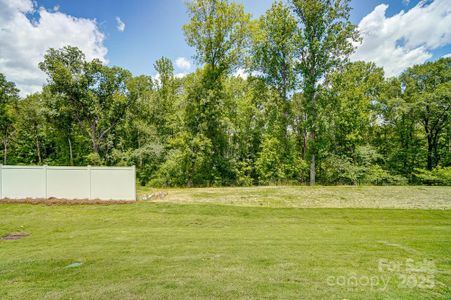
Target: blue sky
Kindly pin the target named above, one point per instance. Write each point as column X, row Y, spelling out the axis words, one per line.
column 153, row 29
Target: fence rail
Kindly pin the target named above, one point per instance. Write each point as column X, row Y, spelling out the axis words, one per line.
column 104, row 183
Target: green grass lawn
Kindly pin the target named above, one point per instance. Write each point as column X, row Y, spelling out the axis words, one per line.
column 211, row 250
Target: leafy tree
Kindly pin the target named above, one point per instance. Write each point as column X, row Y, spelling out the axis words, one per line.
column 273, row 54
column 33, row 141
column 186, row 161
column 326, row 37
column 96, row 95
column 8, row 101
column 301, row 101
column 350, row 97
column 398, row 137
column 428, row 89
column 274, row 46
column 163, row 113
column 218, row 31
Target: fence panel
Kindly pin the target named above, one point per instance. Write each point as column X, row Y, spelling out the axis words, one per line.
column 23, row 182
column 112, row 183
column 104, row 183
column 68, row 183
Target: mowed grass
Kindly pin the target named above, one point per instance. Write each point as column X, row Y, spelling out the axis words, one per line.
column 411, row 197
column 165, row 250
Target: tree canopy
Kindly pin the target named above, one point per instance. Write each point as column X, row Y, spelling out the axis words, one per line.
column 302, row 113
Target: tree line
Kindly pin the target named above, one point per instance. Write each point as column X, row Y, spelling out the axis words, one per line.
column 303, row 114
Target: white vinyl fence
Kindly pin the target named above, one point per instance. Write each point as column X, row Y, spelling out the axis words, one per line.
column 104, row 183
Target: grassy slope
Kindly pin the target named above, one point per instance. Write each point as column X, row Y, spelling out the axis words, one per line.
column 315, row 197
column 164, row 250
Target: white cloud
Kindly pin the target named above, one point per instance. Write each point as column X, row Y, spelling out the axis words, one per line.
column 406, row 38
column 447, row 55
column 180, row 75
column 241, row 73
column 183, row 63
column 157, row 77
column 23, row 42
column 120, row 25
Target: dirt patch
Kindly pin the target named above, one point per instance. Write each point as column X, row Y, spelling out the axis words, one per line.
column 14, row 236
column 55, row 201
column 154, row 196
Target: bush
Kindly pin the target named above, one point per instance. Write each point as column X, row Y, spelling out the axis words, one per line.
column 438, row 176
column 378, row 176
column 276, row 163
column 340, row 170
column 244, row 173
column 187, row 163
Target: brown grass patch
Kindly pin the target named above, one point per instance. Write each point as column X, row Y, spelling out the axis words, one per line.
column 14, row 236
column 55, row 201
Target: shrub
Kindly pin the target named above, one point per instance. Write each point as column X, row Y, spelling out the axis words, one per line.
column 276, row 164
column 378, row 176
column 438, row 176
column 340, row 170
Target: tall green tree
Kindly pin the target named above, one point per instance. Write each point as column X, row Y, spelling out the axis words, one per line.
column 165, row 99
column 428, row 88
column 399, row 137
column 273, row 54
column 351, row 95
column 326, row 37
column 9, row 96
column 34, row 139
column 95, row 94
column 218, row 30
column 274, row 47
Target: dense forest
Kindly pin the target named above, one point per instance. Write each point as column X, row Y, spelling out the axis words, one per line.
column 303, row 113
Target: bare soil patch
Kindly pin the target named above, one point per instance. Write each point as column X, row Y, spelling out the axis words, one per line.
column 14, row 236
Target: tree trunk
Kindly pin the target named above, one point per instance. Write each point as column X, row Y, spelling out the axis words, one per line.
column 313, row 170
column 71, row 158
column 312, row 159
column 430, row 150
column 94, row 141
column 304, row 146
column 38, row 150
column 5, row 150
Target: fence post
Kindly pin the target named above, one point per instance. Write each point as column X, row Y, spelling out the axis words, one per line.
column 45, row 181
column 134, row 182
column 90, row 182
column 1, row 181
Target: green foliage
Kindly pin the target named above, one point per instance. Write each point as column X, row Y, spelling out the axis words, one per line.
column 274, row 46
column 340, row 170
column 94, row 95
column 276, row 166
column 187, row 162
column 350, row 95
column 377, row 176
column 363, row 169
column 8, row 103
column 217, row 30
column 298, row 101
column 438, row 176
column 244, row 171
column 428, row 91
column 326, row 41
